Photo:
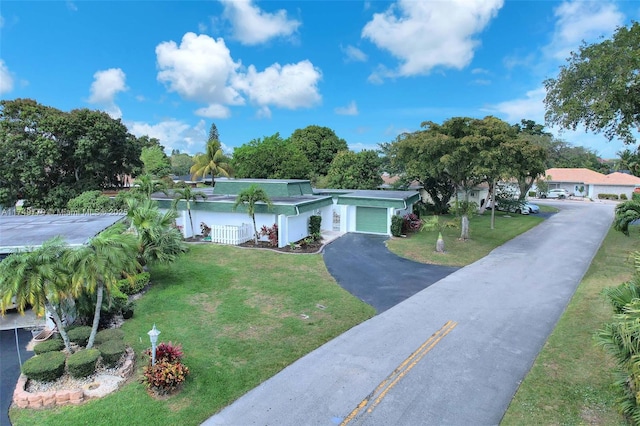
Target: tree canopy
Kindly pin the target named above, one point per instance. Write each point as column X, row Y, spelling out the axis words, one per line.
column 599, row 87
column 50, row 156
column 355, row 170
column 271, row 158
column 320, row 145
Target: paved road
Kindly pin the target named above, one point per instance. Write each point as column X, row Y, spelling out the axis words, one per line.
column 453, row 354
column 10, row 367
column 364, row 266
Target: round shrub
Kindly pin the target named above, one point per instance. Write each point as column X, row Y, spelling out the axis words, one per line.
column 51, row 345
column 80, row 335
column 138, row 282
column 83, row 363
column 127, row 311
column 111, row 352
column 46, row 367
column 108, row 334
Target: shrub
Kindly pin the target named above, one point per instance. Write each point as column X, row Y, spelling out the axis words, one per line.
column 108, row 334
column 411, row 222
column 80, row 335
column 51, row 345
column 532, row 193
column 46, row 367
column 204, row 229
column 127, row 311
column 165, row 376
column 168, row 352
column 111, row 351
column 83, row 363
column 623, row 197
column 271, row 233
column 315, row 222
column 635, row 196
column 91, row 201
column 138, row 282
column 608, row 196
column 396, row 225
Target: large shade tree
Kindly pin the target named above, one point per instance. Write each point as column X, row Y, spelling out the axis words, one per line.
column 320, row 145
column 599, row 87
column 99, row 265
column 355, row 170
column 50, row 156
column 271, row 157
column 39, row 278
column 249, row 198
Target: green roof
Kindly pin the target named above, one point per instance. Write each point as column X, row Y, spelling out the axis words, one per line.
column 273, row 187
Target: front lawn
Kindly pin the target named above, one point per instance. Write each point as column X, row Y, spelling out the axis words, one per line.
column 421, row 246
column 241, row 316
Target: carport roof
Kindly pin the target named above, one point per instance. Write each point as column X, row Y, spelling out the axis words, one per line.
column 24, row 232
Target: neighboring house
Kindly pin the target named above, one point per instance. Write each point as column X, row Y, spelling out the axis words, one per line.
column 389, row 182
column 294, row 201
column 582, row 182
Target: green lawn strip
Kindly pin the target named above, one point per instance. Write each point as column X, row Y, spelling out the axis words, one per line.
column 239, row 317
column 571, row 379
column 421, row 246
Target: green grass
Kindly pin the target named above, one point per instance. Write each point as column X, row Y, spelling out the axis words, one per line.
column 421, row 246
column 237, row 314
column 570, row 382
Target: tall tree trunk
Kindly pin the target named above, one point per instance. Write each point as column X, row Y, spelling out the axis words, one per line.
column 255, row 229
column 193, row 232
column 56, row 319
column 96, row 315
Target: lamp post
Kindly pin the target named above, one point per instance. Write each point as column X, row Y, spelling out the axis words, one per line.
column 153, row 335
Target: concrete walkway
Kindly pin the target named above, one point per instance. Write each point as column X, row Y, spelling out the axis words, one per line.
column 453, row 354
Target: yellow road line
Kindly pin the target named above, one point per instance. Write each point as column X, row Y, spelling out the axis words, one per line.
column 387, row 384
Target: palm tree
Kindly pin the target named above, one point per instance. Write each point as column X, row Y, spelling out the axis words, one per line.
column 249, row 197
column 38, row 278
column 212, row 162
column 99, row 265
column 626, row 213
column 188, row 195
column 147, row 185
column 159, row 240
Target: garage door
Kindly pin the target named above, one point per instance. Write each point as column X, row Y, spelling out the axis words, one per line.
column 371, row 219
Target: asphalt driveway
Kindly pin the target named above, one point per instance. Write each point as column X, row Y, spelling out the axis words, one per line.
column 363, row 266
column 10, row 366
column 452, row 354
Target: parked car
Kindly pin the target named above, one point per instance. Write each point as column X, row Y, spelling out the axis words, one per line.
column 556, row 193
column 533, row 208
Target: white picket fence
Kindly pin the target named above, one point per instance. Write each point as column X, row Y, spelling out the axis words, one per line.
column 229, row 234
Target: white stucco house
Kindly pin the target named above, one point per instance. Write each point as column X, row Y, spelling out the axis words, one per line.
column 587, row 183
column 294, row 201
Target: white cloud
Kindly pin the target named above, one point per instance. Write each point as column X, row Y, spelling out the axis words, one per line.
column 351, row 109
column 106, row 85
column 252, row 26
column 479, row 71
column 214, row 111
column 529, row 107
column 424, row 35
column 6, row 80
column 202, row 27
column 72, row 6
column 175, row 134
column 353, row 54
column 201, row 69
column 290, row 86
column 581, row 20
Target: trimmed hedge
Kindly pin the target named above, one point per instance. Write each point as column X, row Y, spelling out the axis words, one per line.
column 396, row 225
column 108, row 334
column 46, row 367
column 111, row 352
column 51, row 345
column 139, row 282
column 83, row 363
column 608, row 196
column 315, row 222
column 80, row 335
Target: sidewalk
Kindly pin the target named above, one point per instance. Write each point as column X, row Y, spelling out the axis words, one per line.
column 469, row 340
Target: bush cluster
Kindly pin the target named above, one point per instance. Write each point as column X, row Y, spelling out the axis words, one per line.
column 45, row 367
column 397, row 224
column 108, row 334
column 83, row 363
column 51, row 345
column 315, row 223
column 608, row 196
column 135, row 285
column 111, row 352
column 411, row 222
column 169, row 372
column 271, row 234
column 79, row 335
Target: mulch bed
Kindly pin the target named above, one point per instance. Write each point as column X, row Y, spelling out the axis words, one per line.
column 299, row 247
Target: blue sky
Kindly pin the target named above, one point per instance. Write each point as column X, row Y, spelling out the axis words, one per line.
column 367, row 69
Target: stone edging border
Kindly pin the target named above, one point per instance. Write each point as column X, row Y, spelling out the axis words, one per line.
column 50, row 399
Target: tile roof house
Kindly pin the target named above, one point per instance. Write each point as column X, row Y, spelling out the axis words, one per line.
column 294, row 201
column 587, row 183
